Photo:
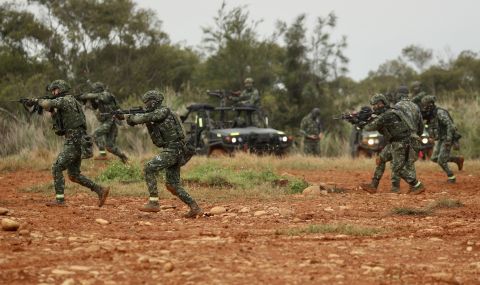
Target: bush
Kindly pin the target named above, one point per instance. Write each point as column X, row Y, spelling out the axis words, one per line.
column 126, row 173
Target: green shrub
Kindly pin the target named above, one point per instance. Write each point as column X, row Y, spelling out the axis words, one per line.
column 126, row 173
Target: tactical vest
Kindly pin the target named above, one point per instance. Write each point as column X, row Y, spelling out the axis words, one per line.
column 166, row 132
column 106, row 103
column 68, row 118
column 395, row 128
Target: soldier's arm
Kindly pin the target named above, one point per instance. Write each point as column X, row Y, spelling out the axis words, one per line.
column 444, row 118
column 375, row 124
column 48, row 104
column 157, row 115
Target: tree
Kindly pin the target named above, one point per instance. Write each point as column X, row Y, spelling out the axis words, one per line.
column 420, row 57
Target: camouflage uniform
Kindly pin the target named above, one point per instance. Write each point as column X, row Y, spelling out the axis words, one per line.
column 397, row 133
column 444, row 132
column 249, row 95
column 166, row 132
column 106, row 134
column 417, row 93
column 413, row 117
column 311, row 128
column 69, row 121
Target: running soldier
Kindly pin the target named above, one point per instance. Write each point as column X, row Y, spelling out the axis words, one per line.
column 166, row 133
column 311, row 129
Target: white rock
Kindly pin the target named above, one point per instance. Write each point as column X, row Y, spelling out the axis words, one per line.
column 217, row 210
column 68, row 281
column 79, row 268
column 10, row 225
column 168, row 267
column 62, row 272
column 328, row 209
column 102, row 221
column 312, row 191
column 244, row 210
column 259, row 213
column 3, row 211
column 285, row 212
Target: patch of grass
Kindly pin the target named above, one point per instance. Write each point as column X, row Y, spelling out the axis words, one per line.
column 406, row 211
column 345, row 229
column 445, row 203
column 125, row 173
column 214, row 173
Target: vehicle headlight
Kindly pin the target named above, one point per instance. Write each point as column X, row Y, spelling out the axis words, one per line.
column 371, row 142
column 283, row 138
column 425, row 140
column 234, row 140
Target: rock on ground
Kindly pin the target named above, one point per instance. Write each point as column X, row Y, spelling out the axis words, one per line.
column 10, row 225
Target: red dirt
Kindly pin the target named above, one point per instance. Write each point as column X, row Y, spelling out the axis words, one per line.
column 66, row 245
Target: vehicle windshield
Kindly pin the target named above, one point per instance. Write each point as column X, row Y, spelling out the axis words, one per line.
column 236, row 118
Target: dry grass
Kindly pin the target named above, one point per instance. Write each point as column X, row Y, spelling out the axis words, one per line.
column 343, row 229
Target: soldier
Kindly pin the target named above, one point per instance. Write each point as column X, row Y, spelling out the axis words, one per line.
column 106, row 134
column 166, row 132
column 413, row 117
column 311, row 129
column 445, row 134
column 417, row 92
column 68, row 121
column 249, row 95
column 390, row 122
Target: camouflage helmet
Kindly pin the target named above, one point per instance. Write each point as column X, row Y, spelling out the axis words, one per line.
column 248, row 81
column 98, row 86
column 152, row 95
column 60, row 84
column 377, row 98
column 429, row 99
column 315, row 112
column 401, row 93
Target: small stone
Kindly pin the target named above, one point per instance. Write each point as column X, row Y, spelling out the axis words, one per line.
column 168, row 267
column 285, row 212
column 469, row 248
column 297, row 220
column 79, row 268
column 3, row 211
column 333, row 255
column 10, row 225
column 62, row 272
column 24, row 232
column 218, row 210
column 329, row 209
column 68, row 281
column 92, row 248
column 142, row 223
column 259, row 213
column 167, row 207
column 378, row 269
column 102, row 221
column 244, row 210
column 312, row 191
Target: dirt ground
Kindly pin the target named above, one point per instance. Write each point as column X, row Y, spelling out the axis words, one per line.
column 243, row 246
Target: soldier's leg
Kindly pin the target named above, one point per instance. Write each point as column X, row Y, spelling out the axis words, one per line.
column 384, row 156
column 436, row 151
column 75, row 175
column 403, row 159
column 443, row 158
column 99, row 137
column 64, row 158
column 174, row 186
column 110, row 140
column 163, row 160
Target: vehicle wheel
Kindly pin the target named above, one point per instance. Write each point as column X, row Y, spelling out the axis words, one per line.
column 363, row 153
column 217, row 152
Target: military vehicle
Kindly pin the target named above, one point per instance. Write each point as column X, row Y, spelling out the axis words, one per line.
column 226, row 129
column 365, row 143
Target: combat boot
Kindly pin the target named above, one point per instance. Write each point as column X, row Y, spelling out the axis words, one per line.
column 123, row 158
column 151, row 206
column 395, row 188
column 418, row 188
column 452, row 179
column 195, row 211
column 102, row 193
column 56, row 203
column 101, row 156
column 459, row 161
column 371, row 187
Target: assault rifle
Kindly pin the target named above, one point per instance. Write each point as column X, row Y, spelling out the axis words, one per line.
column 30, row 104
column 360, row 118
column 120, row 112
column 222, row 95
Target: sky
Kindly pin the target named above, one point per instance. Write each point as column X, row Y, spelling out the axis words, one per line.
column 376, row 30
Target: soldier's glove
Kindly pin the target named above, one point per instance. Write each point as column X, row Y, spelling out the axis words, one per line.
column 30, row 102
column 131, row 121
